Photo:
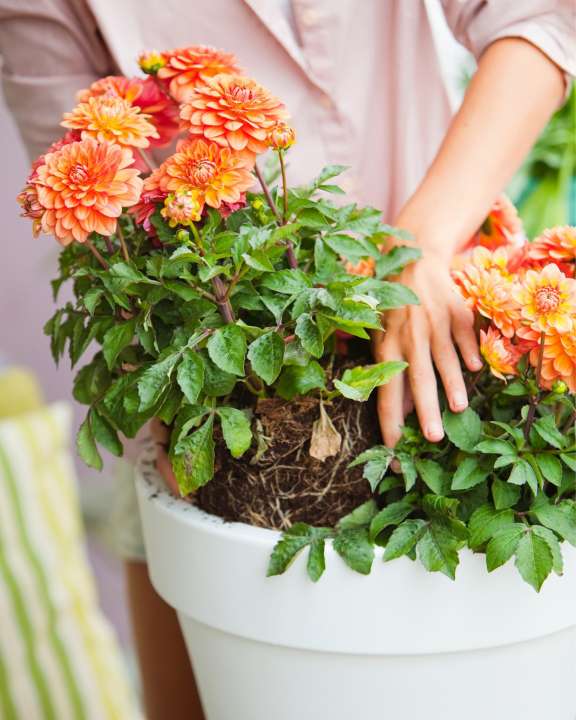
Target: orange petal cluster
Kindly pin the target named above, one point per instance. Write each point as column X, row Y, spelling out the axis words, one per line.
column 233, row 111
column 218, row 174
column 559, row 359
column 107, row 118
column 83, row 188
column 499, row 352
column 547, row 299
column 556, row 245
column 281, row 137
column 501, row 227
column 185, row 68
column 183, row 208
column 366, row 266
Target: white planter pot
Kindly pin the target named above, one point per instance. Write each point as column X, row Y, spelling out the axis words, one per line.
column 400, row 643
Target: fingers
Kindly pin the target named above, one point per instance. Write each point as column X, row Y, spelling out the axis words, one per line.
column 159, row 431
column 448, row 365
column 390, row 413
column 424, row 390
column 465, row 338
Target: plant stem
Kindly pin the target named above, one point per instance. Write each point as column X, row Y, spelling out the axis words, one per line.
column 109, row 245
column 122, row 243
column 224, row 305
column 534, row 398
column 267, row 194
column 284, row 186
column 96, row 254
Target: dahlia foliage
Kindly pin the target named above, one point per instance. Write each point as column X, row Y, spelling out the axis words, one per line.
column 207, row 290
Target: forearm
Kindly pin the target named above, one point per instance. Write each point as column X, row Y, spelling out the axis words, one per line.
column 511, row 97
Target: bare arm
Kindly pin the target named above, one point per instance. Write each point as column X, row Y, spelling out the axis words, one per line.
column 511, row 97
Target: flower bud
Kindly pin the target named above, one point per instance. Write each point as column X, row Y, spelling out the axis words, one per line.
column 150, row 62
column 559, row 387
column 183, row 236
column 281, row 136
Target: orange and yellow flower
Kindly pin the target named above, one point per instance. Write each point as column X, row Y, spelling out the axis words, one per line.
column 150, row 62
column 556, row 245
column 31, row 208
column 185, row 68
column 501, row 356
column 218, row 174
column 145, row 94
column 84, row 187
column 547, row 299
column 233, row 111
column 107, row 118
column 281, row 137
column 366, row 267
column 183, row 208
column 489, row 293
column 502, row 226
column 559, row 359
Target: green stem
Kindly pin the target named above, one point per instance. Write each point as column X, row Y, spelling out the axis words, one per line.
column 96, row 254
column 534, row 398
column 267, row 194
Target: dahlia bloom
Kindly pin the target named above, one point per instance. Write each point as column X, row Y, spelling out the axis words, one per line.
column 281, row 137
column 185, row 68
column 559, row 359
column 84, row 187
column 365, row 267
column 68, row 137
column 31, row 208
column 499, row 353
column 234, row 112
column 150, row 62
column 490, row 294
column 547, row 299
column 217, row 173
column 150, row 198
column 502, row 226
column 145, row 94
column 111, row 119
column 556, row 245
column 183, row 208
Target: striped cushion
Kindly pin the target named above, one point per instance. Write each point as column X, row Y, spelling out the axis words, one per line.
column 58, row 657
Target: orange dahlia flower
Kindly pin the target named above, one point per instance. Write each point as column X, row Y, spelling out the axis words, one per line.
column 362, row 267
column 502, row 226
column 150, row 62
column 489, row 293
column 185, row 68
column 281, row 137
column 31, row 208
column 547, row 299
column 559, row 359
column 183, row 208
column 556, row 245
column 83, row 187
column 499, row 353
column 145, row 94
column 219, row 174
column 111, row 119
column 234, row 112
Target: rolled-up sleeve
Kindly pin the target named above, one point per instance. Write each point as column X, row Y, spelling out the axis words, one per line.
column 49, row 49
column 550, row 25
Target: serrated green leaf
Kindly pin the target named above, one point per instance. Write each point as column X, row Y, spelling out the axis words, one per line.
column 258, row 260
column 433, row 475
column 523, row 474
column 534, row 559
column 266, row 355
column 154, row 381
column 92, row 298
column 360, row 516
column 217, row 383
column 190, row 375
column 503, row 545
column 546, row 428
column 397, row 259
column 463, row 429
column 515, row 389
column 316, row 561
column 408, row 470
column 310, row 336
column 286, row 282
column 569, row 460
column 236, row 430
column 554, row 545
column 550, row 467
column 393, row 295
column 504, row 495
column 291, row 543
column 86, row 446
column 359, row 382
column 486, row 522
column 404, row 539
column 438, row 550
column 560, row 517
column 104, row 433
column 392, row 514
column 193, row 463
column 496, row 447
column 355, row 548
column 227, row 349
column 469, row 473
column 300, row 380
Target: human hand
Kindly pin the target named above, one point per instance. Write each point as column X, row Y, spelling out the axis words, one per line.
column 425, row 336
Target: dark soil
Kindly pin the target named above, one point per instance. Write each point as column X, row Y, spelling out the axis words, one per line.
column 281, row 484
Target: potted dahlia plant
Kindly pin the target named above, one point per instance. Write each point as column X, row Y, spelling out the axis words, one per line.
column 237, row 310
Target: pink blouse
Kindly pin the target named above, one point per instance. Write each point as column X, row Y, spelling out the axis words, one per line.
column 361, row 79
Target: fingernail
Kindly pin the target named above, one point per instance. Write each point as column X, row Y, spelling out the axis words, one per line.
column 459, row 401
column 434, row 432
column 476, row 362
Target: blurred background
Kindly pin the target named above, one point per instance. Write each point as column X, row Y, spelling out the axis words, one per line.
column 544, row 189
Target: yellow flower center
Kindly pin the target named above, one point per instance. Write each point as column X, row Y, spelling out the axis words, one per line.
column 547, row 299
column 240, row 94
column 78, row 174
column 202, row 172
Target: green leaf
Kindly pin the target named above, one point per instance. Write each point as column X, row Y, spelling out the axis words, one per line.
column 495, row 447
column 217, row 383
column 300, row 380
column 154, row 381
column 291, row 543
column 359, row 517
column 258, row 260
column 309, row 334
column 190, row 375
column 408, row 470
column 534, row 559
column 86, row 445
column 316, row 561
column 357, row 383
column 404, row 539
column 569, row 460
column 396, row 259
column 469, row 474
column 349, row 247
column 104, row 433
column 464, row 429
column 266, row 355
column 376, row 462
column 328, row 172
column 432, row 474
column 515, row 389
column 504, row 495
column 393, row 295
column 193, row 463
column 523, row 474
column 503, row 545
column 236, row 430
column 392, row 514
column 286, row 282
column 227, row 349
column 92, row 298
column 546, row 428
column 438, row 550
column 561, row 518
column 355, row 548
column 550, row 467
column 486, row 522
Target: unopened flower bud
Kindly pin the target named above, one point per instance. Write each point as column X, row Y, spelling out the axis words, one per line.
column 281, row 136
column 150, row 62
column 559, row 387
column 183, row 236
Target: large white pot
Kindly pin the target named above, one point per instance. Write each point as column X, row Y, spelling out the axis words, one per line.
column 399, row 644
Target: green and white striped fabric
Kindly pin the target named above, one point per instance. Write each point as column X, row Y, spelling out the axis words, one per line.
column 58, row 657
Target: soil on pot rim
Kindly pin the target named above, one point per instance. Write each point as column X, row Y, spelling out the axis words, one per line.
column 284, row 485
